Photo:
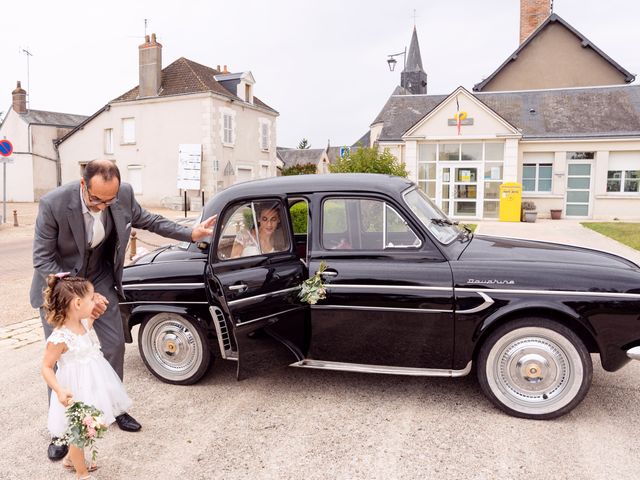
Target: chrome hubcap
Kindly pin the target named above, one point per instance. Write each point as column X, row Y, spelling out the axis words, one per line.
column 534, row 370
column 173, row 349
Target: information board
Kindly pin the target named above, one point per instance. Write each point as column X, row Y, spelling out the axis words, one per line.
column 189, row 161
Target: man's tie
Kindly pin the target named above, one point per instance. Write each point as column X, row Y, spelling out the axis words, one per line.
column 98, row 229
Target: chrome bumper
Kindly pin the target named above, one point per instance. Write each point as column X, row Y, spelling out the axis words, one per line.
column 634, row 353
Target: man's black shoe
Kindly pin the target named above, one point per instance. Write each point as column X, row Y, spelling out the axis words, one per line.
column 127, row 423
column 55, row 451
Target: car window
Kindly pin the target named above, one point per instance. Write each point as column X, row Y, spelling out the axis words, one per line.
column 364, row 224
column 253, row 228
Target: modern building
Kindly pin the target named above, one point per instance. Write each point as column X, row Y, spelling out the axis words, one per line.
column 34, row 168
column 572, row 141
column 185, row 127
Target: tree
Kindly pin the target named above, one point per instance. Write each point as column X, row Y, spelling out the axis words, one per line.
column 304, row 169
column 369, row 160
column 304, row 144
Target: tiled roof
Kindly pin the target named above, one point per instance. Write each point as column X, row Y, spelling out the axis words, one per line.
column 186, row 76
column 296, row 156
column 562, row 113
column 41, row 117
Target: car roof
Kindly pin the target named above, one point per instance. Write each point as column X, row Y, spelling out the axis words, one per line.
column 312, row 183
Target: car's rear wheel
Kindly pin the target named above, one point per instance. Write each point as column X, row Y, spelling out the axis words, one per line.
column 534, row 368
column 174, row 348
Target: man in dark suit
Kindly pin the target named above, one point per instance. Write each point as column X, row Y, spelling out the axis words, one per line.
column 83, row 228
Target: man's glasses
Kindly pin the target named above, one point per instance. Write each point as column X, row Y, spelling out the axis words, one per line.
column 93, row 200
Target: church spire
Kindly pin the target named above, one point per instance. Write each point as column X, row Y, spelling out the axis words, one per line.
column 413, row 77
column 414, row 59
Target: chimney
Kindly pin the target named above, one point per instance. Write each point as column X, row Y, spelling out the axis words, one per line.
column 19, row 99
column 150, row 64
column 532, row 14
column 225, row 70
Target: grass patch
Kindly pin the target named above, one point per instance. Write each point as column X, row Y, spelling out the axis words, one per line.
column 627, row 233
column 470, row 226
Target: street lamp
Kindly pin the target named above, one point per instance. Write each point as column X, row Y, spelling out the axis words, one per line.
column 392, row 61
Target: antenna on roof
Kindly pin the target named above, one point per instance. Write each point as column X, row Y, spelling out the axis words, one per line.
column 145, row 28
column 414, row 18
column 27, row 54
column 551, row 8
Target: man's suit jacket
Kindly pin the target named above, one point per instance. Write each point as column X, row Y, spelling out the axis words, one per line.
column 60, row 240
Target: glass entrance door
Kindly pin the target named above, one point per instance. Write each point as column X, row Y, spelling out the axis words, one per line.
column 578, row 202
column 458, row 194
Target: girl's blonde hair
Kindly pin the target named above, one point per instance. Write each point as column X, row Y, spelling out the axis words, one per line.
column 59, row 294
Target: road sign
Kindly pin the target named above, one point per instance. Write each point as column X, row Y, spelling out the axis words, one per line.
column 7, row 159
column 344, row 151
column 6, row 148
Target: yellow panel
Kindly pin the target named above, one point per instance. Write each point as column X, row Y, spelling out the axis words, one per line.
column 510, row 201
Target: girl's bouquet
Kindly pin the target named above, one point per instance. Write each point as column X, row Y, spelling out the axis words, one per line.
column 313, row 289
column 85, row 425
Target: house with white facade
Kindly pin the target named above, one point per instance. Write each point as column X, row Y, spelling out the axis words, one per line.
column 34, row 167
column 574, row 147
column 185, row 127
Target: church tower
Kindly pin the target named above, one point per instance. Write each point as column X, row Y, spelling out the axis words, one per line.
column 413, row 78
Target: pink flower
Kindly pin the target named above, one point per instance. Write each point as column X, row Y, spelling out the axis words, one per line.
column 91, row 432
column 88, row 420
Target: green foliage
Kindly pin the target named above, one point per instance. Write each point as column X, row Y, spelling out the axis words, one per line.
column 306, row 169
column 624, row 232
column 369, row 160
column 299, row 216
column 304, row 144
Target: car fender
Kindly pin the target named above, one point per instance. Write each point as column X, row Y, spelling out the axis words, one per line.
column 141, row 312
column 552, row 309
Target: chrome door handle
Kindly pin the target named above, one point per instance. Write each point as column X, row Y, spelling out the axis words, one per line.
column 329, row 273
column 240, row 287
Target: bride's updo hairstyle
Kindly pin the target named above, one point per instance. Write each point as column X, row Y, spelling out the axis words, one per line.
column 60, row 292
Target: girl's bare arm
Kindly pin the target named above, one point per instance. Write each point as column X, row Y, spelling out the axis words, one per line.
column 52, row 353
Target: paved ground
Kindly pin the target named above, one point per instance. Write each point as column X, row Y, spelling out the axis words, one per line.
column 290, row 423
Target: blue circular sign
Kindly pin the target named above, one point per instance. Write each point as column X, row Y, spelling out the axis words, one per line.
column 6, row 148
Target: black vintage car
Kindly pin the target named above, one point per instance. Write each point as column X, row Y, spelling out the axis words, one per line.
column 408, row 292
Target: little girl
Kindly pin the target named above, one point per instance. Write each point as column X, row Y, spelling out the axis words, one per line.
column 83, row 374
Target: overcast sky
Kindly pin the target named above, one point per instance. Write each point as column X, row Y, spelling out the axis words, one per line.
column 321, row 64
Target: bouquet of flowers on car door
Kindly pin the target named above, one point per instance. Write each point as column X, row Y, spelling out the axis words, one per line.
column 313, row 289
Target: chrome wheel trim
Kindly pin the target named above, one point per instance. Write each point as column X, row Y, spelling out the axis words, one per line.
column 171, row 347
column 534, row 370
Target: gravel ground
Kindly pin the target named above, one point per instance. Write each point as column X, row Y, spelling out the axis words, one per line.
column 286, row 423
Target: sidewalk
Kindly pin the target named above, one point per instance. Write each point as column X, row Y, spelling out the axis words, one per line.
column 558, row 231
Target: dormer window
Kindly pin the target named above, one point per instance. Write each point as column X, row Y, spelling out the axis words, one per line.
column 248, row 97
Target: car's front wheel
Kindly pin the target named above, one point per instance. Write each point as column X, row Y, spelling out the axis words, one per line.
column 534, row 368
column 174, row 348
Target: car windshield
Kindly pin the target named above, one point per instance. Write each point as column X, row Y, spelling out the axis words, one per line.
column 431, row 216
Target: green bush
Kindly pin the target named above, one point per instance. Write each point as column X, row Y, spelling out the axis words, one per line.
column 299, row 216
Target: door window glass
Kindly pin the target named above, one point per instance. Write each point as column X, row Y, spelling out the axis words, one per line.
column 362, row 224
column 253, row 228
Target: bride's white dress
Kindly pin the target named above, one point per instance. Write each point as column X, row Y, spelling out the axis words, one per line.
column 84, row 371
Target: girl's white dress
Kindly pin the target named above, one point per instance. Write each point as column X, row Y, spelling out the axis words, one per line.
column 84, row 371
